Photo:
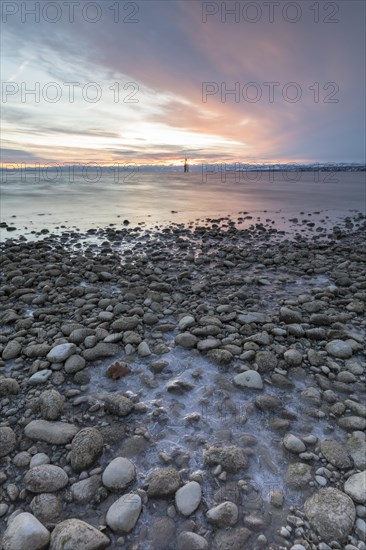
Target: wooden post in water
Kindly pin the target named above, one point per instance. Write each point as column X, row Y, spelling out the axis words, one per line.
column 186, row 167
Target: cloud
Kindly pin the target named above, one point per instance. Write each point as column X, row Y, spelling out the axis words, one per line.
column 170, row 53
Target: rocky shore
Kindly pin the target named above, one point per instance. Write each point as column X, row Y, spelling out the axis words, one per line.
column 190, row 387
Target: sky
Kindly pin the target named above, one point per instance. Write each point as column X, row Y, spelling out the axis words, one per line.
column 152, row 82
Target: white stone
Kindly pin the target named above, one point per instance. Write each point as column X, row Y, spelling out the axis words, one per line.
column 188, row 498
column 25, row 532
column 124, row 513
column 60, row 353
column 249, row 379
column 355, row 487
column 119, row 473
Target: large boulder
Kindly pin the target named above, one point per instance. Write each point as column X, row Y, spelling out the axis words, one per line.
column 25, row 532
column 331, row 513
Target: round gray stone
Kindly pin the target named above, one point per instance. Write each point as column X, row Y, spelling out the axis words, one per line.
column 331, row 513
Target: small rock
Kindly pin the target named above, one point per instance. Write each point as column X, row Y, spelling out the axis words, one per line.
column 293, row 444
column 124, row 513
column 56, row 433
column 7, row 441
column 220, row 357
column 186, row 340
column 11, row 350
column 230, row 457
column 119, row 474
column 51, row 403
column 186, row 322
column 293, row 357
column 163, row 482
column 46, row 478
column 86, row 448
column 118, row 405
column 25, row 532
column 249, row 379
column 335, row 453
column 289, row 316
column 355, row 487
column 85, row 491
column 8, row 386
column 143, row 349
column 60, row 353
column 224, row 515
column 187, row 540
column 74, row 364
column 298, row 474
column 73, row 534
column 188, row 498
column 340, row 349
column 47, row 507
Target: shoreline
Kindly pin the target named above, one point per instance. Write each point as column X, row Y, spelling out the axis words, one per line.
column 242, row 363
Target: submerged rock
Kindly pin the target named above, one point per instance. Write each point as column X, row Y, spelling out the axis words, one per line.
column 163, row 482
column 249, row 379
column 230, row 457
column 56, row 433
column 224, row 515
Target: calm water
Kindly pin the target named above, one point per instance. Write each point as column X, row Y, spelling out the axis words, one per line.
column 151, row 198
